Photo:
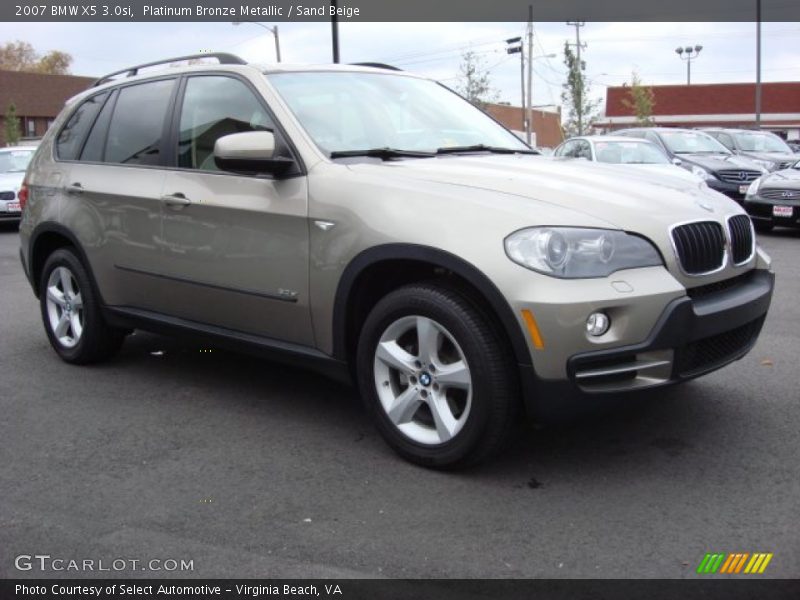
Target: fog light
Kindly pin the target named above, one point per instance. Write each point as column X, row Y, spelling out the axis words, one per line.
column 597, row 324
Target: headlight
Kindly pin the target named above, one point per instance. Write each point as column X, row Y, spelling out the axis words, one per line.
column 573, row 253
column 753, row 189
column 764, row 164
column 702, row 173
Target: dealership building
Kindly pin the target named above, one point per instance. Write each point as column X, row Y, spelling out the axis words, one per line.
column 712, row 105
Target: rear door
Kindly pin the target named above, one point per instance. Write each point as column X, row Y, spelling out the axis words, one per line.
column 115, row 190
column 235, row 247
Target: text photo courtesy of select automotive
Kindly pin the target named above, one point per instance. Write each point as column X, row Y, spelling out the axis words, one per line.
column 486, row 300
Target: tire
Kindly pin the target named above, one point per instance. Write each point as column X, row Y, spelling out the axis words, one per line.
column 437, row 377
column 762, row 227
column 73, row 320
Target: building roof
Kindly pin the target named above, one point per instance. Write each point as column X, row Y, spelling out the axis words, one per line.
column 711, row 99
column 37, row 94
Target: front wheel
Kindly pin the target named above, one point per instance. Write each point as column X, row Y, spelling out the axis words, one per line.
column 437, row 377
column 71, row 312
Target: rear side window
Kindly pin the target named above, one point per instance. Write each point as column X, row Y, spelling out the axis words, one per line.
column 137, row 125
column 70, row 138
column 95, row 143
column 213, row 107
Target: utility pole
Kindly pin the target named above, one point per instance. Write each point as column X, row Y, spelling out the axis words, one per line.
column 529, row 99
column 335, row 32
column 516, row 48
column 758, row 64
column 578, row 71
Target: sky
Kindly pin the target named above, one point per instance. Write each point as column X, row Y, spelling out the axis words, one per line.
column 613, row 50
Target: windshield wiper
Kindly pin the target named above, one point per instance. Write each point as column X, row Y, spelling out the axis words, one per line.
column 382, row 153
column 485, row 148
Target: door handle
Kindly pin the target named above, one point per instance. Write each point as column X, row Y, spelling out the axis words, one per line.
column 74, row 188
column 177, row 200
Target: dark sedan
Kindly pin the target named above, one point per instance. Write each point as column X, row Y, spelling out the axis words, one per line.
column 774, row 200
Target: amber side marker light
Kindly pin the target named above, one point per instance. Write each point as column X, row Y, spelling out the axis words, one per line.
column 533, row 329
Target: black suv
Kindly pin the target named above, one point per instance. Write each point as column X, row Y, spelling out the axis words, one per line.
column 762, row 147
column 704, row 156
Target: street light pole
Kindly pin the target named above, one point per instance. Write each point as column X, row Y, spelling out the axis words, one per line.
column 518, row 49
column 688, row 54
column 272, row 30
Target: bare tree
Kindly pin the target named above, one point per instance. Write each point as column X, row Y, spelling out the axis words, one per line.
column 474, row 81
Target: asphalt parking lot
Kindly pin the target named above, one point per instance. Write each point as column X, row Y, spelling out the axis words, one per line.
column 255, row 470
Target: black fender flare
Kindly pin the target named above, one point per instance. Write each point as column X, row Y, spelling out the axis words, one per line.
column 53, row 227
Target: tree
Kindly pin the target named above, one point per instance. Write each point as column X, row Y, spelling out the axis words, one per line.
column 21, row 56
column 580, row 108
column 474, row 82
column 12, row 125
column 640, row 101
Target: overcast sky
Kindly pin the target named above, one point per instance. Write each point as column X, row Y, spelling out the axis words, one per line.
column 435, row 49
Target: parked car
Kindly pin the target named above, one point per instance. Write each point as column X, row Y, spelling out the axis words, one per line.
column 640, row 155
column 13, row 162
column 775, row 199
column 374, row 224
column 762, row 147
column 794, row 145
column 704, row 156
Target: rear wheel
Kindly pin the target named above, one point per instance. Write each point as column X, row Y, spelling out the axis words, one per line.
column 71, row 313
column 436, row 377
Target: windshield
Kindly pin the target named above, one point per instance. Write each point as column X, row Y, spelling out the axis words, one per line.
column 632, row 152
column 690, row 142
column 358, row 111
column 15, row 161
column 761, row 142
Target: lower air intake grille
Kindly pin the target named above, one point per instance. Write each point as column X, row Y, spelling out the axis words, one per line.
column 700, row 246
column 718, row 349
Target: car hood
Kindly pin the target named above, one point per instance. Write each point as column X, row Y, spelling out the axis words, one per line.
column 666, row 170
column 772, row 156
column 718, row 162
column 787, row 178
column 629, row 199
column 11, row 181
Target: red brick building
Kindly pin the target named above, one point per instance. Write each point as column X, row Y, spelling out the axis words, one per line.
column 546, row 125
column 38, row 98
column 715, row 105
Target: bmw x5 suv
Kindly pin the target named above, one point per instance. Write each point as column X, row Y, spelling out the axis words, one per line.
column 376, row 226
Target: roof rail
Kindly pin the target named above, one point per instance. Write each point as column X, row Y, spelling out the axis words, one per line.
column 224, row 58
column 376, row 65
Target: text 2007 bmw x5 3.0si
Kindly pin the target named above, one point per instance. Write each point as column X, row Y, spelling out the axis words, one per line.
column 373, row 224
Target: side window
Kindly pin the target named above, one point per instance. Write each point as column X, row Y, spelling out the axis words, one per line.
column 584, row 150
column 215, row 106
column 137, row 126
column 569, row 149
column 653, row 138
column 95, row 143
column 562, row 149
column 726, row 141
column 70, row 138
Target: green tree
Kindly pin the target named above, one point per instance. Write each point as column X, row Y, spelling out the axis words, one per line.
column 474, row 81
column 580, row 109
column 12, row 125
column 640, row 101
column 21, row 56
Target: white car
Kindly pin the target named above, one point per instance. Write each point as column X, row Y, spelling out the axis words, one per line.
column 637, row 154
column 13, row 162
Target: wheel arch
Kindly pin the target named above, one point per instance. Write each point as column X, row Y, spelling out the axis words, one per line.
column 354, row 296
column 46, row 238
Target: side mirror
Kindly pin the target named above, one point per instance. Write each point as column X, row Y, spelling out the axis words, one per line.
column 677, row 161
column 250, row 153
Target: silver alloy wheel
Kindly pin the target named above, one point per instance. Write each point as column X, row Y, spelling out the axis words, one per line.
column 64, row 307
column 423, row 380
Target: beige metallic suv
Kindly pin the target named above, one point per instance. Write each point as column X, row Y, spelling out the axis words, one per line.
column 374, row 225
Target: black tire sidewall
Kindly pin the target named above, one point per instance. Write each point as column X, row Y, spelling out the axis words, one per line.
column 93, row 325
column 456, row 315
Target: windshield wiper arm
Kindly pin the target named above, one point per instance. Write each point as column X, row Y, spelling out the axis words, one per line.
column 382, row 153
column 485, row 148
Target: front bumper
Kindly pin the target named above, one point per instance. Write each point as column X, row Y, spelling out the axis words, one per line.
column 732, row 190
column 694, row 335
column 761, row 211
